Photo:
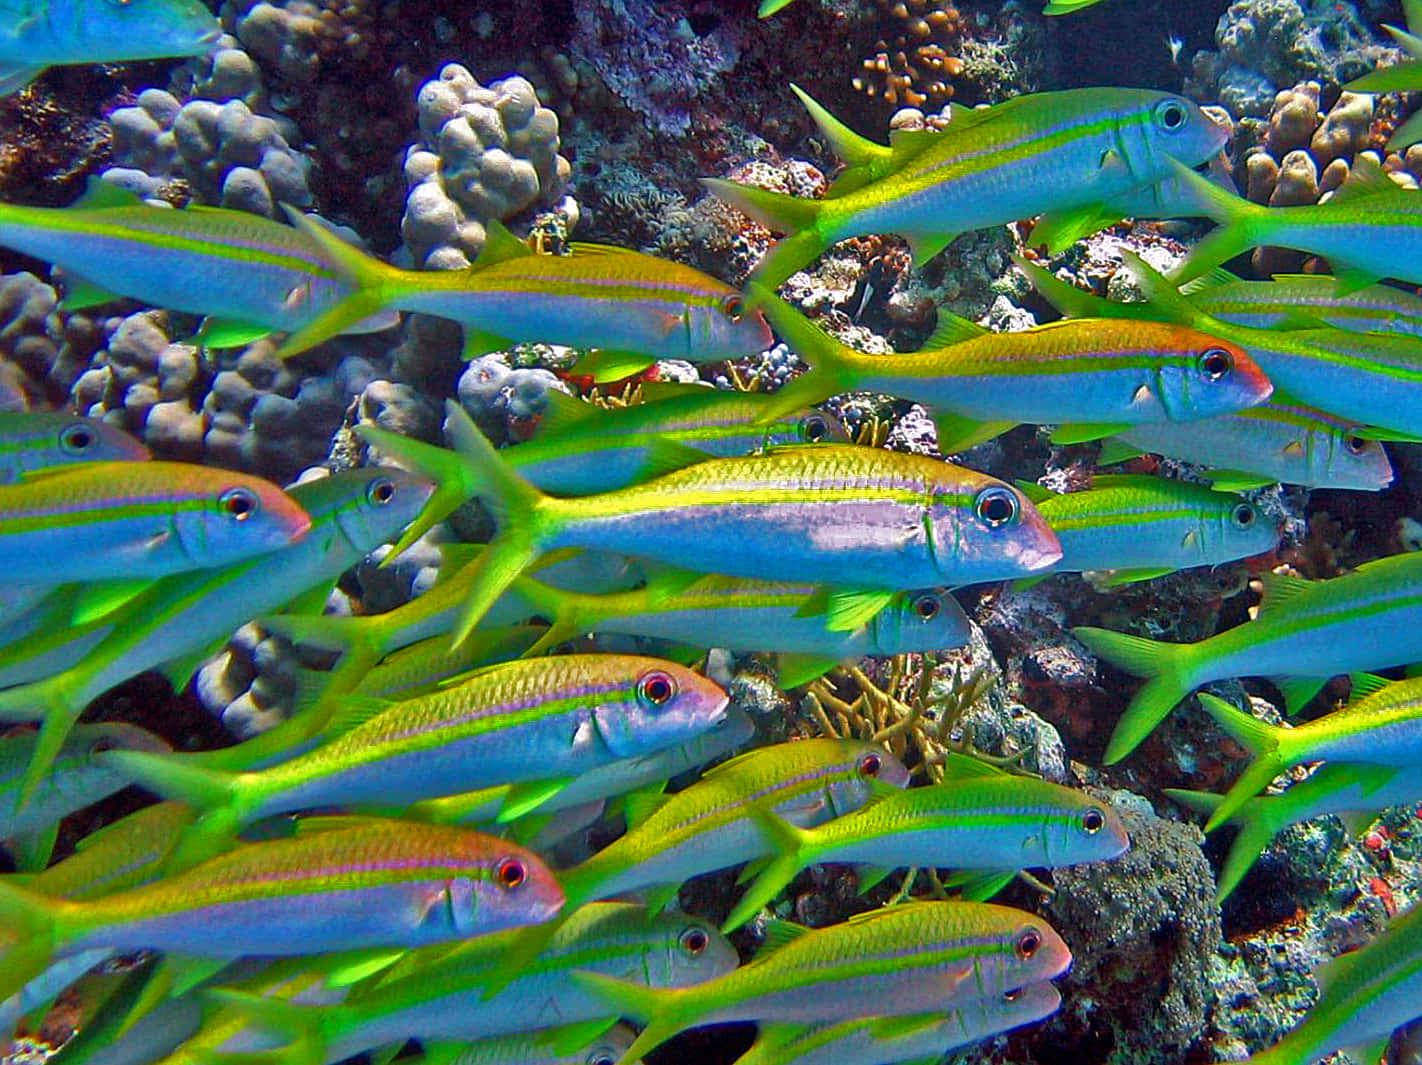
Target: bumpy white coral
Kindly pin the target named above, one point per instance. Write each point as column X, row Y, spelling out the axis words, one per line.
column 484, row 153
column 221, row 142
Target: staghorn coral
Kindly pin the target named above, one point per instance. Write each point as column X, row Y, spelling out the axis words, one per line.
column 915, row 60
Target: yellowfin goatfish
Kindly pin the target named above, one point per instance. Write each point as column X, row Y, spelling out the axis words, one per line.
column 176, row 620
column 1383, row 726
column 980, row 383
column 780, row 617
column 581, row 449
column 1143, row 527
column 74, row 781
column 439, row 994
column 373, row 883
column 1304, row 301
column 1304, row 633
column 1032, row 154
column 1057, row 229
column 890, row 962
column 41, row 440
column 631, row 306
column 1363, row 996
column 1372, row 378
column 823, row 513
column 250, row 274
column 1405, row 76
column 1370, row 228
column 979, row 818
column 543, row 721
column 35, row 34
column 872, row 1040
column 1354, row 792
column 1282, row 441
column 100, row 520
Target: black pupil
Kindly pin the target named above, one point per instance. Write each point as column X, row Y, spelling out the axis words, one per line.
column 511, row 873
column 1173, row 117
column 927, row 609
column 81, row 439
column 997, row 509
column 383, row 492
column 1029, row 943
column 733, row 308
column 1244, row 515
column 696, row 942
column 1093, row 821
column 871, row 765
column 239, row 506
column 658, row 690
column 815, row 431
column 1356, row 445
column 1216, row 364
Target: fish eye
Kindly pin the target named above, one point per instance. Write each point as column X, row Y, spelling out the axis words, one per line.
column 511, row 873
column 1028, row 943
column 656, row 689
column 602, row 1057
column 77, row 439
column 1093, row 821
column 380, row 491
column 1215, row 363
column 1242, row 516
column 870, row 765
column 102, row 744
column 1171, row 115
column 1355, row 444
column 996, row 506
column 813, row 428
column 1013, row 995
column 238, row 503
column 733, row 307
column 693, row 940
column 926, row 607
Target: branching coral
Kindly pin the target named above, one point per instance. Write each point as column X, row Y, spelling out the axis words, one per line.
column 912, row 712
column 914, row 61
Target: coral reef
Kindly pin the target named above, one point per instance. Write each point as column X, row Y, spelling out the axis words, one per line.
column 484, row 153
column 914, row 63
column 1267, row 45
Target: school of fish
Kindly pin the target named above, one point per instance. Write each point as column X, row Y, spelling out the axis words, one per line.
column 388, row 863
